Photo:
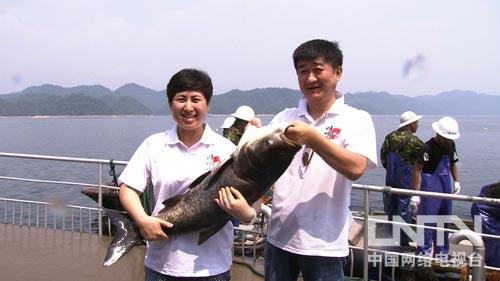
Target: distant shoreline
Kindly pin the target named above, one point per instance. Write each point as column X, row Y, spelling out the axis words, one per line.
column 105, row 116
column 74, row 116
column 214, row 115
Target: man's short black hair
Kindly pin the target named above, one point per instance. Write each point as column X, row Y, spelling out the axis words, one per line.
column 318, row 48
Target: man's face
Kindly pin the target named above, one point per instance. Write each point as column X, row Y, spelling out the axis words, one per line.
column 317, row 79
column 414, row 127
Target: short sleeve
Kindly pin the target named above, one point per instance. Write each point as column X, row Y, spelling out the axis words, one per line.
column 138, row 170
column 362, row 139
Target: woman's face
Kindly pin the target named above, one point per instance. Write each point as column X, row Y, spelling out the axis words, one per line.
column 189, row 109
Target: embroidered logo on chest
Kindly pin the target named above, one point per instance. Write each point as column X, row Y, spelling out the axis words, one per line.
column 212, row 161
column 331, row 133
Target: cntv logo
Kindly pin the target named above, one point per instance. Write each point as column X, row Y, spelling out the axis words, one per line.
column 416, row 232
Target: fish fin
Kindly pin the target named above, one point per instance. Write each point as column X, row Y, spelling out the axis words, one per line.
column 211, row 175
column 110, row 198
column 170, row 202
column 206, row 234
column 199, row 179
column 91, row 192
column 127, row 236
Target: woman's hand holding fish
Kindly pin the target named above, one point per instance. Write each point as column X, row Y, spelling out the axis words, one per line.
column 152, row 228
column 231, row 201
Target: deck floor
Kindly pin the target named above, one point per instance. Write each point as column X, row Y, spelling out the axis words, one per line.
column 28, row 253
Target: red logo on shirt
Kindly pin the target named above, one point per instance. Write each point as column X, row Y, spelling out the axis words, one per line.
column 212, row 161
column 332, row 133
column 215, row 159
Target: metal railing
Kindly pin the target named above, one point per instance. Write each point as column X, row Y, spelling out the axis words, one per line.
column 477, row 271
column 250, row 245
column 89, row 219
column 248, row 248
column 49, row 215
column 99, row 162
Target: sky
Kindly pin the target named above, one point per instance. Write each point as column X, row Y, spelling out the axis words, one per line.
column 408, row 48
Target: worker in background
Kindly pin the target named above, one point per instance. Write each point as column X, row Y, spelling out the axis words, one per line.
column 490, row 222
column 436, row 167
column 243, row 116
column 398, row 155
column 226, row 126
column 241, row 119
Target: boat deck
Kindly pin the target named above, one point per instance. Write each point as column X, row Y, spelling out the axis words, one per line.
column 47, row 254
column 30, row 253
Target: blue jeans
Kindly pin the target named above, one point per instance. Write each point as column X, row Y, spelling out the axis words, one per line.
column 151, row 275
column 285, row 266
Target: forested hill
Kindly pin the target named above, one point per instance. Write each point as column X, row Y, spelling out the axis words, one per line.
column 133, row 99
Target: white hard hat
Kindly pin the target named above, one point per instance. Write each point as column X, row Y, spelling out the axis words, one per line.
column 447, row 127
column 228, row 122
column 408, row 117
column 244, row 112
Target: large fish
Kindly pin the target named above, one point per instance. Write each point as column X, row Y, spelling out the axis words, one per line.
column 252, row 169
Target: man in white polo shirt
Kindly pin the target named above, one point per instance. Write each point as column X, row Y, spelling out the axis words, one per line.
column 309, row 225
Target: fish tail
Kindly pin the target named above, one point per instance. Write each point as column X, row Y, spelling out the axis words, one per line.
column 127, row 236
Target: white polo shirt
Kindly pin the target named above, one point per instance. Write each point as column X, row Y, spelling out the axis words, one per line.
column 171, row 167
column 310, row 214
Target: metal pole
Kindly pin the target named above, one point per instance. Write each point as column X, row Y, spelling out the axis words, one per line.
column 365, row 234
column 99, row 201
column 478, row 272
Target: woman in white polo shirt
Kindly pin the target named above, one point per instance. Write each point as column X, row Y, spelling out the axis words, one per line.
column 171, row 160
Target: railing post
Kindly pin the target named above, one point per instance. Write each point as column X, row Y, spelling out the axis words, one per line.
column 365, row 233
column 99, row 202
column 478, row 272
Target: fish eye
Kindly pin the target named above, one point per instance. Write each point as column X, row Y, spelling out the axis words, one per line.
column 269, row 142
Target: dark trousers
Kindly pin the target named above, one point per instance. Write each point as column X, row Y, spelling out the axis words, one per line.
column 151, row 275
column 285, row 266
column 398, row 205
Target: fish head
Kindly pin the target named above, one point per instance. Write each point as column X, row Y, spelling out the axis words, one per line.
column 265, row 158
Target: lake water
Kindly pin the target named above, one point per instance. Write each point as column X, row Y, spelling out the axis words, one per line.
column 118, row 137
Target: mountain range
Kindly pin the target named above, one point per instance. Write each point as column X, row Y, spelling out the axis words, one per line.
column 134, row 99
